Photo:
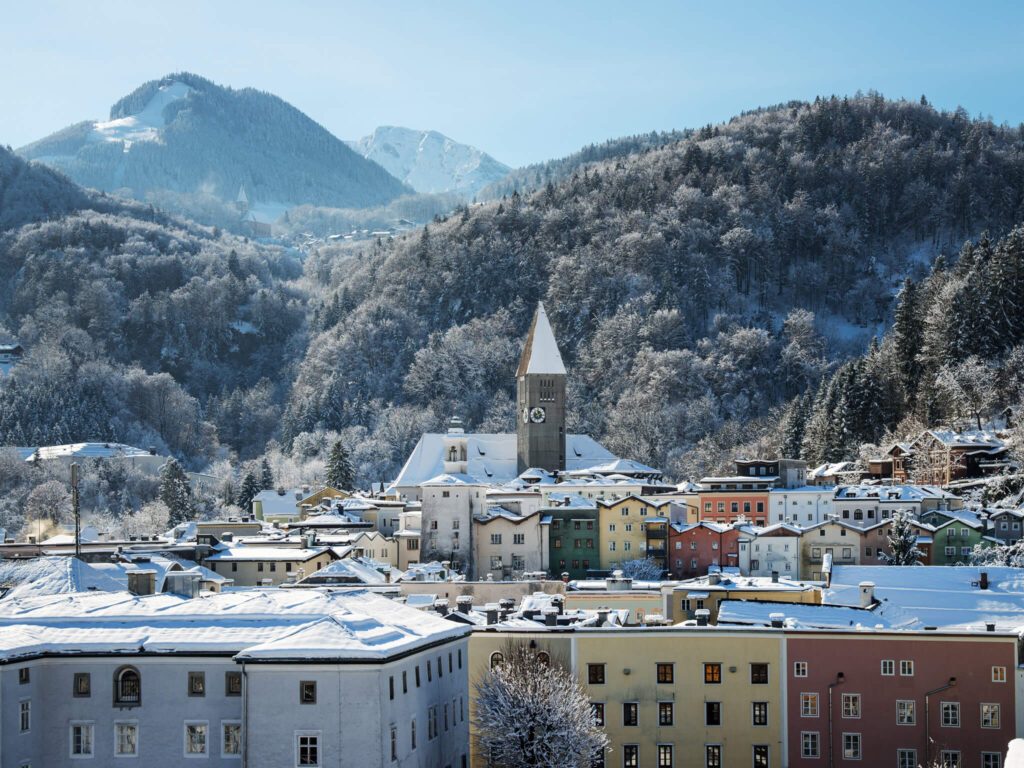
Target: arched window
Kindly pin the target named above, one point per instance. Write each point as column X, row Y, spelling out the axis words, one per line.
column 127, row 687
column 496, row 659
column 452, row 453
column 544, row 658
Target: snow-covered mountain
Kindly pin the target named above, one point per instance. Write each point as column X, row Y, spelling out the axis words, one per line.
column 187, row 136
column 429, row 161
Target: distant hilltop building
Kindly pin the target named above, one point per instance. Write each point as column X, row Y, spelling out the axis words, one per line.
column 10, row 355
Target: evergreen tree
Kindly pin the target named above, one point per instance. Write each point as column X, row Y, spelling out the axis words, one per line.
column 227, row 493
column 176, row 493
column 266, row 476
column 250, row 487
column 902, row 542
column 794, row 423
column 339, row 468
column 906, row 335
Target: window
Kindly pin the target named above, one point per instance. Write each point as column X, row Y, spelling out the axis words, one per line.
column 518, row 538
column 760, row 756
column 991, row 760
column 712, row 713
column 432, row 729
column 83, row 684
column 851, row 705
column 664, row 756
column 412, row 734
column 905, row 713
column 195, row 738
column 598, row 709
column 713, row 756
column 394, row 744
column 989, row 715
column 951, row 714
column 712, row 673
column 127, row 687
column 81, row 739
column 888, row 667
column 666, row 673
column 495, row 538
column 232, row 683
column 595, row 673
column 949, row 758
column 851, row 746
column 950, row 551
column 24, row 676
column 196, row 683
column 759, row 713
column 405, row 677
column 906, row 758
column 816, row 553
column 126, row 739
column 998, row 674
column 25, row 716
column 630, row 714
column 666, row 713
column 630, row 756
column 230, row 738
column 307, row 748
column 810, row 745
column 799, row 669
column 307, row 692
column 759, row 674
column 808, row 705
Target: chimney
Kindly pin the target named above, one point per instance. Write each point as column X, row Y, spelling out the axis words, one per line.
column 990, row 627
column 702, row 615
column 551, row 617
column 227, row 536
column 714, row 578
column 464, row 603
column 565, row 577
column 441, row 606
column 559, row 603
column 602, row 616
column 505, row 606
column 530, row 614
column 492, row 613
column 867, row 594
column 142, row 582
column 983, row 583
column 777, row 619
column 183, row 584
column 775, row 577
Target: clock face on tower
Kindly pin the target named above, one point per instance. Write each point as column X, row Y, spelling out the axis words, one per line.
column 537, row 415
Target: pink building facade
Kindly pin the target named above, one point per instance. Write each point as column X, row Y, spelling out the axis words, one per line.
column 903, row 700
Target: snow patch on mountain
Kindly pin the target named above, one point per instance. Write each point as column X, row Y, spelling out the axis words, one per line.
column 429, row 161
column 145, row 125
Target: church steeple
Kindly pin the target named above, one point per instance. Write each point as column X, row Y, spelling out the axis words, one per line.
column 540, row 394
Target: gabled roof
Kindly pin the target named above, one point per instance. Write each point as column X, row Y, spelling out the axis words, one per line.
column 540, row 353
column 52, row 576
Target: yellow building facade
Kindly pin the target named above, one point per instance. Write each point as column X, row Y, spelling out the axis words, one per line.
column 622, row 527
column 671, row 696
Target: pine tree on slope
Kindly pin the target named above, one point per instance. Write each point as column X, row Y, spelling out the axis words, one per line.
column 339, row 468
column 176, row 493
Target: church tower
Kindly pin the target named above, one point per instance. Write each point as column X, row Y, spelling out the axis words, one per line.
column 540, row 395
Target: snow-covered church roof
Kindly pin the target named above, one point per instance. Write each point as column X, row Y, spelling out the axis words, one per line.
column 540, row 354
column 491, row 459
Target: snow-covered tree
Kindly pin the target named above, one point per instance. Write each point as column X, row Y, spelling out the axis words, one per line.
column 176, row 493
column 530, row 711
column 902, row 540
column 50, row 500
column 250, row 487
column 153, row 518
column 339, row 468
column 1005, row 554
column 969, row 387
column 266, row 476
column 642, row 569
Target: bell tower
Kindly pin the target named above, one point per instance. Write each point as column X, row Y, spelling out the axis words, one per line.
column 540, row 396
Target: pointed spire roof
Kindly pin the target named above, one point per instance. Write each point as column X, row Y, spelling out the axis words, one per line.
column 242, row 197
column 541, row 355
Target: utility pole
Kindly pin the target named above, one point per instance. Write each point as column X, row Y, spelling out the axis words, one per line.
column 75, row 510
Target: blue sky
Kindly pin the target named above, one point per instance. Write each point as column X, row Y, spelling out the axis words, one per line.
column 524, row 81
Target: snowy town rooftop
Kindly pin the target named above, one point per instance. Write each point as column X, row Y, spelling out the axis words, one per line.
column 271, row 623
column 82, row 451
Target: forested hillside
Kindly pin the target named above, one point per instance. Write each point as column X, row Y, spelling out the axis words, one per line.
column 140, row 328
column 697, row 284
column 183, row 138
column 681, row 279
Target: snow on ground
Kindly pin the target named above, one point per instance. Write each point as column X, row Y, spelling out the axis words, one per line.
column 146, row 125
column 268, row 212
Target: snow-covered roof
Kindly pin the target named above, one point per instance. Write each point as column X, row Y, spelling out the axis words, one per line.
column 938, row 596
column 893, row 493
column 491, row 459
column 55, row 575
column 831, row 470
column 348, row 569
column 255, row 624
column 86, row 451
column 729, row 582
column 759, row 613
column 540, row 354
column 971, row 438
column 570, row 501
column 277, row 504
column 257, row 552
column 622, row 467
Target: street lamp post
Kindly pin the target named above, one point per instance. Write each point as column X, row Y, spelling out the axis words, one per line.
column 927, row 721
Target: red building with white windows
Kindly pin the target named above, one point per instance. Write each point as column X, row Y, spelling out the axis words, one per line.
column 900, row 699
column 692, row 549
